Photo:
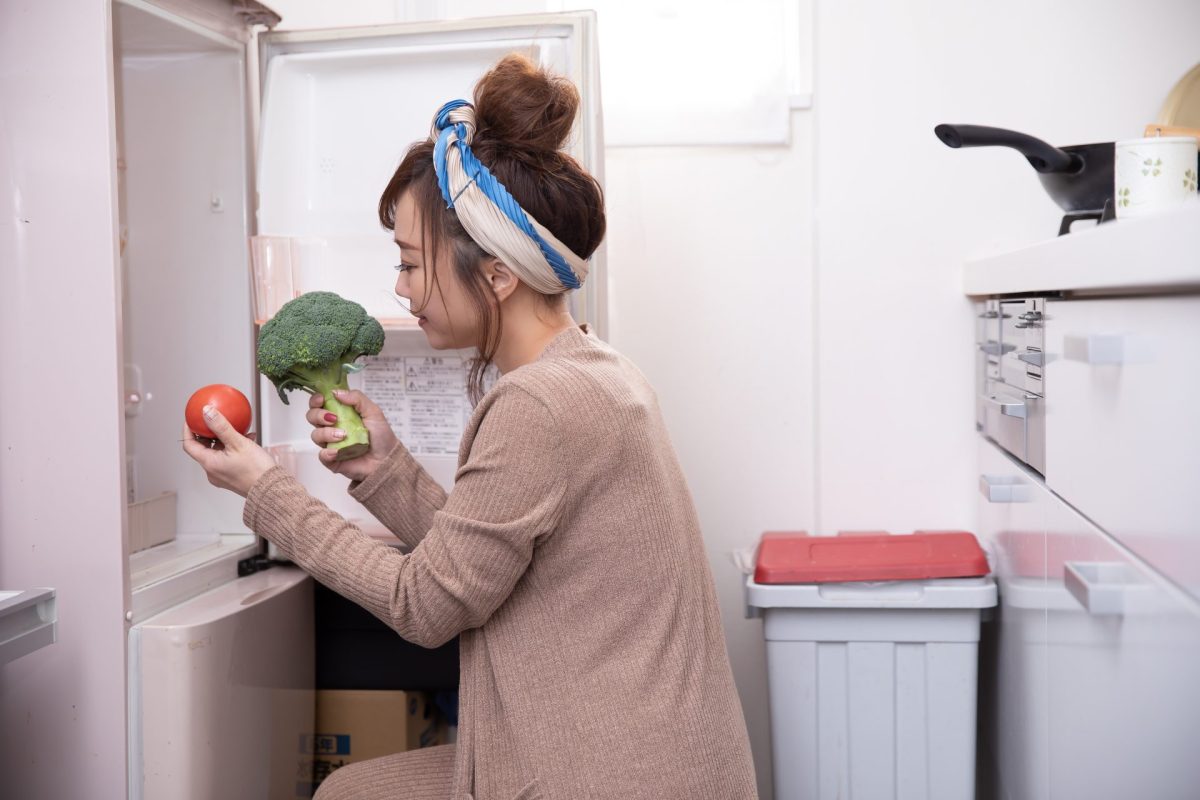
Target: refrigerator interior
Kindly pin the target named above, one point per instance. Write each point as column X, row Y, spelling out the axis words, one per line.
column 183, row 168
column 339, row 110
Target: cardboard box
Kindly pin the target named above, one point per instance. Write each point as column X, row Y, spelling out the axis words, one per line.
column 355, row 725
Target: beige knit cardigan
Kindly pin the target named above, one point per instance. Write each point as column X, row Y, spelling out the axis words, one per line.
column 569, row 558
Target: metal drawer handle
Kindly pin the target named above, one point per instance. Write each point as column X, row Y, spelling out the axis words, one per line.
column 1103, row 588
column 1004, row 489
column 1007, row 409
column 1035, row 359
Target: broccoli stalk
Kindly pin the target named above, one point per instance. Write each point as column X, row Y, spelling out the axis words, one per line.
column 311, row 344
column 322, row 381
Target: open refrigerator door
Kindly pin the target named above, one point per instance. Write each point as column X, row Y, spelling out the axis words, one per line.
column 220, row 669
column 339, row 110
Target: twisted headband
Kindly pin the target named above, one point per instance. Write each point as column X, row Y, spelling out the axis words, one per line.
column 492, row 216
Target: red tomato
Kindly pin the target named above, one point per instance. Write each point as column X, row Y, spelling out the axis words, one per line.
column 232, row 404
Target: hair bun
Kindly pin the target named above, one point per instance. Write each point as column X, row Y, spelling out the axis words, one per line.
column 522, row 105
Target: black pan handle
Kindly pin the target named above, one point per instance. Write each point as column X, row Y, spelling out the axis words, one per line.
column 1041, row 156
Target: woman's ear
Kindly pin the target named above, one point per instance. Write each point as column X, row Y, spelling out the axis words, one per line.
column 501, row 278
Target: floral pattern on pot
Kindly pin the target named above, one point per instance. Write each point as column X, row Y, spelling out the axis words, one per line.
column 1153, row 174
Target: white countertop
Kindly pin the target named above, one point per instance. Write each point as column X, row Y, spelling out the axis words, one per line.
column 1141, row 254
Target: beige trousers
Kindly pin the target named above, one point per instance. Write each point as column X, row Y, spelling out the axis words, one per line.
column 425, row 774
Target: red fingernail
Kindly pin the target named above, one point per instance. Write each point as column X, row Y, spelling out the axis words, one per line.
column 331, row 417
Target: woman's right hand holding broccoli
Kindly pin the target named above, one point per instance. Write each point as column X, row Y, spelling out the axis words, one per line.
column 383, row 439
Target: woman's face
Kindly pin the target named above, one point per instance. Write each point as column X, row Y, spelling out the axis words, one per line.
column 442, row 308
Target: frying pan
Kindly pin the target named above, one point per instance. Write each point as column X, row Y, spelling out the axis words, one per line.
column 1079, row 177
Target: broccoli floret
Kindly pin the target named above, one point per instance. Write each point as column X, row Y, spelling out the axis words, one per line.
column 311, row 344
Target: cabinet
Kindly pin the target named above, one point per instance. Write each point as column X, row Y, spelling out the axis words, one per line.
column 1091, row 691
column 1122, row 432
column 1089, row 673
column 1123, row 653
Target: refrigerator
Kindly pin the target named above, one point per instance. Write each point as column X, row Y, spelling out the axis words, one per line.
column 226, row 131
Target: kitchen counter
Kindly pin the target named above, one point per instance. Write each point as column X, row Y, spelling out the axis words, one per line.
column 1156, row 253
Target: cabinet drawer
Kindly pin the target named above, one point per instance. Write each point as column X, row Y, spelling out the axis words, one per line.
column 1122, row 654
column 1122, row 378
column 1089, row 688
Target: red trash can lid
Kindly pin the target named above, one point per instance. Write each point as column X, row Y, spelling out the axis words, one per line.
column 796, row 557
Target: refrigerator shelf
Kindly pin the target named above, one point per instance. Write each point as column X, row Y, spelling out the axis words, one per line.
column 170, row 573
column 390, row 324
column 299, row 458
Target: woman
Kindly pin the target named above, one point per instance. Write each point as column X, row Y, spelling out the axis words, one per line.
column 568, row 555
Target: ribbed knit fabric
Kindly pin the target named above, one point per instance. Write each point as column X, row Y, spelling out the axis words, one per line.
column 569, row 557
column 425, row 774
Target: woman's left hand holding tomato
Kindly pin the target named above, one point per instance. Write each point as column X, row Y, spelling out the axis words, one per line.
column 238, row 466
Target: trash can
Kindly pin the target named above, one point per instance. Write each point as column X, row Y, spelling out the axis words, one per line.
column 872, row 658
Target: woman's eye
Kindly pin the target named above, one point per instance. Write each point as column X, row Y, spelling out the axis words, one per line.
column 402, row 267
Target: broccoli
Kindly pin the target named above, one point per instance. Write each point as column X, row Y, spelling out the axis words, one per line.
column 311, row 344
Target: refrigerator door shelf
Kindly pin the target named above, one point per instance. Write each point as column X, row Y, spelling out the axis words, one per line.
column 179, row 570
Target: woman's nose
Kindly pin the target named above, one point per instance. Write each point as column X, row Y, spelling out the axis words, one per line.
column 402, row 286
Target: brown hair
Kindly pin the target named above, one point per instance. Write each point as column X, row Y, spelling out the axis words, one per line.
column 523, row 116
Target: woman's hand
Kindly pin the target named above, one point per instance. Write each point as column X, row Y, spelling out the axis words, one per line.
column 238, row 466
column 383, row 439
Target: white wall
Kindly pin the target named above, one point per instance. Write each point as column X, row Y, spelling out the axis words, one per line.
column 709, row 254
column 62, row 708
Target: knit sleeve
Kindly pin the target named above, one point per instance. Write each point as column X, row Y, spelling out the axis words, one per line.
column 508, row 496
column 401, row 495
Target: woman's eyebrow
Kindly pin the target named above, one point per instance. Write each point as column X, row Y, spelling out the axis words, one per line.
column 406, row 245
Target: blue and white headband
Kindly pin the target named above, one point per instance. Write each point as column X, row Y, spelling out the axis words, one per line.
column 492, row 216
